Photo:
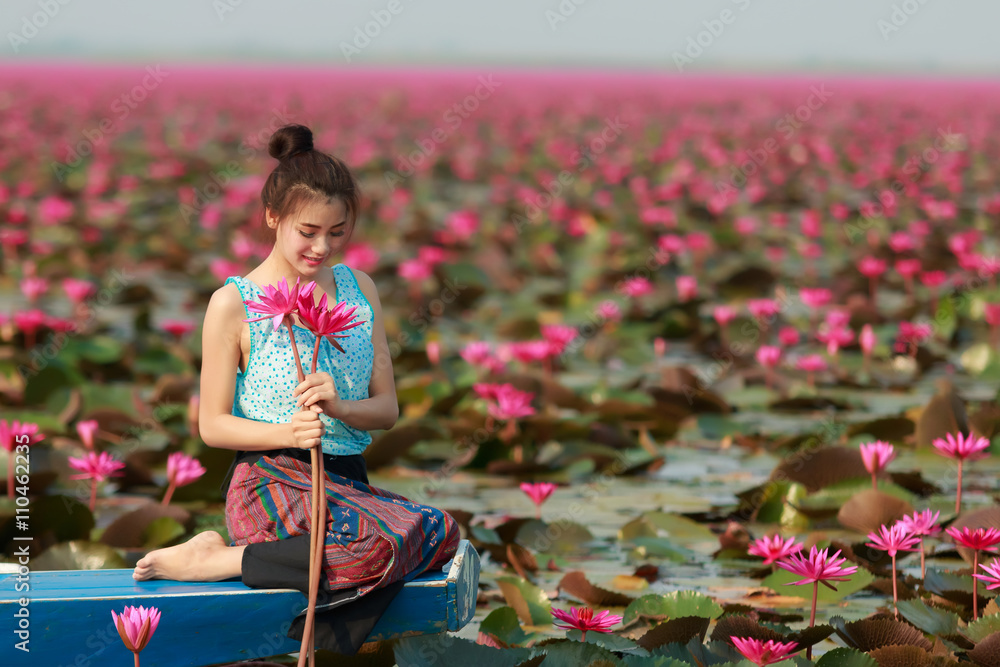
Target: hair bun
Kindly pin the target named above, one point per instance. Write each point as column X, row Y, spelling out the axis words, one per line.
column 289, row 140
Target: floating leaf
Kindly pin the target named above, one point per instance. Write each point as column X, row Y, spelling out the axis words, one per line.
column 558, row 537
column 846, row 657
column 575, row 583
column 530, row 602
column 869, row 634
column 428, row 651
column 680, row 629
column 982, row 628
column 132, row 529
column 867, row 510
column 929, row 619
column 572, row 653
column 661, row 547
column 987, row 652
column 661, row 607
column 502, row 623
column 78, row 555
column 820, row 467
column 160, row 532
column 902, row 656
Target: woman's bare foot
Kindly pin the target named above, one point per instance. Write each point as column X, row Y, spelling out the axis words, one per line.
column 205, row 557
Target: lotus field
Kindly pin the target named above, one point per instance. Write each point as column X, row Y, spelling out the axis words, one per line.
column 706, row 368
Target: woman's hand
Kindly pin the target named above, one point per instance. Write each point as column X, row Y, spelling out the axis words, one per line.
column 307, row 429
column 318, row 389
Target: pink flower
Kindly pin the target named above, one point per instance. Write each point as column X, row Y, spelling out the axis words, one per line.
column 901, row 242
column 323, row 321
column 97, row 467
column 687, row 287
column 877, row 455
column 763, row 308
column 486, row 390
column 558, row 336
column 362, row 257
column 671, row 243
column 86, row 430
column 511, row 403
column 462, row 224
column 278, row 302
column 584, row 620
column 773, row 548
column 136, row 626
column 893, row 539
column 414, row 269
column 788, row 336
column 78, row 290
column 539, row 493
column 608, row 310
column 33, row 287
column 871, row 267
column 867, row 339
column 933, row 278
column 763, row 653
column 53, row 210
column 183, row 469
column 838, row 319
column 921, row 523
column 723, row 315
column 636, row 286
column 818, row 567
column 992, row 576
column 811, row 363
column 221, row 268
column 18, row 433
column 476, row 352
column 29, row 321
column 910, row 335
column 908, row 267
column 530, row 351
column 991, row 313
column 835, row 338
column 815, row 298
column 431, row 255
column 977, row 539
column 177, row 328
column 962, row 447
column 768, row 355
column 433, row 349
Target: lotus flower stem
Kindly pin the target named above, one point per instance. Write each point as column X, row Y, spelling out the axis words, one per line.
column 295, row 353
column 923, row 559
column 958, row 492
column 10, row 474
column 93, row 495
column 975, row 585
column 169, row 494
column 895, row 593
column 812, row 615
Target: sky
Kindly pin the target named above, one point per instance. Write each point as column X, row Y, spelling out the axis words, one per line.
column 922, row 36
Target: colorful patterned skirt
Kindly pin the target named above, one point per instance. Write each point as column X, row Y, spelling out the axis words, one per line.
column 373, row 537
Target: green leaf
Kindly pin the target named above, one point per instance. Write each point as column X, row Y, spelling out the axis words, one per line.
column 161, row 531
column 980, row 629
column 159, row 362
column 443, row 650
column 502, row 623
column 530, row 602
column 654, row 661
column 100, row 349
column 946, row 319
column 661, row 547
column 484, row 534
column 846, row 657
column 567, row 653
column 941, row 582
column 79, row 555
column 929, row 619
column 558, row 537
column 681, row 528
column 49, row 379
column 781, row 581
column 779, row 503
column 661, row 607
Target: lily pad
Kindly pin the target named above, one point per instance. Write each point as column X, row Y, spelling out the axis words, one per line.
column 530, row 602
column 502, row 623
column 846, row 657
column 662, row 607
column 781, row 582
column 929, row 619
column 79, row 555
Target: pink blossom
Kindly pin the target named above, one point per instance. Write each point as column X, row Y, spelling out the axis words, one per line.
column 867, row 339
column 33, row 287
column 136, row 626
column 871, row 267
column 433, row 349
column 768, row 355
column 761, row 652
column 511, row 403
column 876, row 456
column 933, row 278
column 723, row 315
column 361, row 256
column 78, row 290
column 414, row 269
column 838, row 319
column 922, row 523
column 788, row 336
column 53, row 210
column 538, row 492
column 773, row 548
column 177, row 328
column 901, row 242
column 608, row 310
column 86, row 430
column 762, row 309
column 183, row 469
column 585, row 621
column 992, row 576
column 962, row 447
column 558, row 336
column 908, row 267
column 94, row 466
column 818, row 566
column 530, row 351
column 811, row 363
column 815, row 298
column 636, row 286
column 687, row 288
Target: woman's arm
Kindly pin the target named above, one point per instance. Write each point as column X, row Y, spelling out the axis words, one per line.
column 220, row 358
column 381, row 409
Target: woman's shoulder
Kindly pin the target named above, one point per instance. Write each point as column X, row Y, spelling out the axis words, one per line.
column 365, row 284
column 226, row 300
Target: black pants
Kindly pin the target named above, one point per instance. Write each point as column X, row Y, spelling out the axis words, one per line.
column 343, row 618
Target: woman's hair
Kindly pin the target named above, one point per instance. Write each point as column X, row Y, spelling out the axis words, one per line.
column 305, row 175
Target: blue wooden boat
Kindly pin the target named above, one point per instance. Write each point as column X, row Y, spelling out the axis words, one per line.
column 70, row 624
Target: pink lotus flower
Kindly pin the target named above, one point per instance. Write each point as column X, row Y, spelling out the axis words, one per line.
column 723, row 315
column 921, row 524
column 511, row 403
column 893, row 539
column 476, row 352
column 433, row 349
column 961, row 448
column 815, row 298
column 773, row 548
column 530, row 351
column 242, row 248
column 277, row 303
column 867, row 340
column 323, row 321
column 687, row 288
column 835, row 338
column 763, row 309
column 811, row 364
column 53, row 210
column 763, row 653
column 33, row 287
column 819, row 567
column 558, row 336
column 671, row 243
column 432, row 255
column 933, row 279
column 77, row 290
column 136, row 626
column 13, row 435
column 636, row 286
column 414, row 269
column 86, row 430
column 788, row 336
column 901, row 242
column 608, row 310
column 221, row 268
column 876, row 456
column 181, row 471
column 462, row 225
column 177, row 328
column 992, row 576
column 361, row 256
column 908, row 268
column 910, row 336
column 97, row 468
column 871, row 267
column 539, row 493
column 584, row 620
column 977, row 539
column 768, row 356
column 838, row 319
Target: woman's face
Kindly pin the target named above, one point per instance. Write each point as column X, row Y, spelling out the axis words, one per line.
column 309, row 238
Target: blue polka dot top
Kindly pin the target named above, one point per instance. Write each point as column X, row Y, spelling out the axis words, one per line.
column 264, row 392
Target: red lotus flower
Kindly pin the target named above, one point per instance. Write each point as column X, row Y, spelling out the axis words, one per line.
column 530, row 351
column 415, row 269
column 511, row 403
column 763, row 653
column 177, row 328
column 773, row 548
column 33, row 287
column 326, row 322
column 893, row 539
column 819, row 567
column 815, row 298
column 763, row 309
column 788, row 336
column 687, row 288
column 584, row 620
column 636, row 286
column 78, row 290
column 97, row 468
column 278, row 302
column 867, row 340
column 136, row 626
column 539, row 493
column 723, row 315
column 922, row 524
column 977, row 539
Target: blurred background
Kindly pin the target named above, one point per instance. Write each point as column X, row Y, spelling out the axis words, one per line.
column 679, row 259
